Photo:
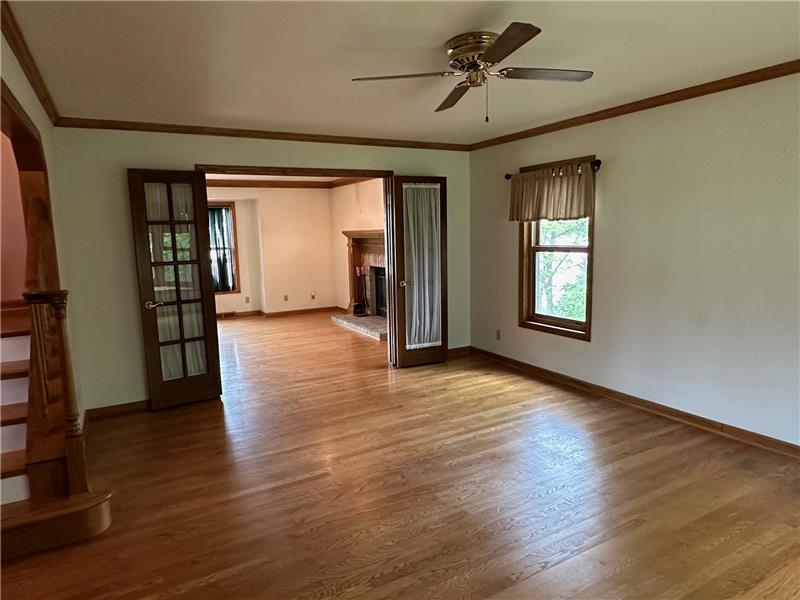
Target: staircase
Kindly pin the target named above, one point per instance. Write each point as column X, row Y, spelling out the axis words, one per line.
column 15, row 345
column 46, row 497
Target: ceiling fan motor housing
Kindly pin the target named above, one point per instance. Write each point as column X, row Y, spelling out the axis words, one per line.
column 465, row 50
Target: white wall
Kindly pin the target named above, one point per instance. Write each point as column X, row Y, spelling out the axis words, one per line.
column 96, row 231
column 18, row 84
column 353, row 207
column 696, row 256
column 296, row 241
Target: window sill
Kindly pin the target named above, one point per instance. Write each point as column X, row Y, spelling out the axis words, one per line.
column 230, row 292
column 584, row 336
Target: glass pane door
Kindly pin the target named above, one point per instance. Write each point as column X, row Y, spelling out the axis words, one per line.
column 177, row 287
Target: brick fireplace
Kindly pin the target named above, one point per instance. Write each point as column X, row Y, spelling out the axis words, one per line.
column 366, row 264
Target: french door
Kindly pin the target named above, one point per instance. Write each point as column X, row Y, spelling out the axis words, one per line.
column 417, row 241
column 176, row 294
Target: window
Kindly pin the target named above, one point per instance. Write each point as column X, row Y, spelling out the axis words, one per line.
column 222, row 241
column 556, row 276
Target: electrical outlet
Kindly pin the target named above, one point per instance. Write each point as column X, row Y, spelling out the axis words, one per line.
column 498, row 334
column 247, row 299
column 286, row 297
column 313, row 295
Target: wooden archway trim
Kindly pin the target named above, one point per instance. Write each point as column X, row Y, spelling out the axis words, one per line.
column 41, row 263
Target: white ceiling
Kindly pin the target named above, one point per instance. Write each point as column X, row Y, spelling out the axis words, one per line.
column 287, row 66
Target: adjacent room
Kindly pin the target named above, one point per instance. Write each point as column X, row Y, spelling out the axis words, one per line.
column 487, row 300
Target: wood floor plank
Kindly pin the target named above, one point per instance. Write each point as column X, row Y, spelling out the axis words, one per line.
column 325, row 474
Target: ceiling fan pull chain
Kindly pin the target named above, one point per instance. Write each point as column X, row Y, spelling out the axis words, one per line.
column 487, row 99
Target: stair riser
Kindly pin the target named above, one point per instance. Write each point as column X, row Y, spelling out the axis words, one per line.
column 13, row 391
column 14, row 489
column 12, row 437
column 15, row 348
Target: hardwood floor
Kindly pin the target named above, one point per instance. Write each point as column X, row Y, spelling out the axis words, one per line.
column 323, row 473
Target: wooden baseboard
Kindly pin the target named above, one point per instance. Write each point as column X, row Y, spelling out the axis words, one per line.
column 303, row 311
column 729, row 431
column 456, row 352
column 115, row 410
column 240, row 313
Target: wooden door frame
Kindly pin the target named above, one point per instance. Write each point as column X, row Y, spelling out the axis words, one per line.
column 388, row 224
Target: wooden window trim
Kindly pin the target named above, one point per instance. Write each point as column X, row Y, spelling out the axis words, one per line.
column 232, row 206
column 528, row 318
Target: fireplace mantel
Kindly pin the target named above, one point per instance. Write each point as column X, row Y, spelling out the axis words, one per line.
column 363, row 245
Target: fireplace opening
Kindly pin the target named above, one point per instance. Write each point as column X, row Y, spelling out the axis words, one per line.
column 379, row 278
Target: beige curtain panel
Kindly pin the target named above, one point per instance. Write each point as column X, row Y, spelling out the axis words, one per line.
column 559, row 193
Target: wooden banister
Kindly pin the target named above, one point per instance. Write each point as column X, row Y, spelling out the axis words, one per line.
column 54, row 429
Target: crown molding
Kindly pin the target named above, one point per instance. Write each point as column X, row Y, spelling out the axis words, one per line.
column 15, row 39
column 13, row 34
column 711, row 87
column 255, row 134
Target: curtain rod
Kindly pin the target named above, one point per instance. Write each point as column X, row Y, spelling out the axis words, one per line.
column 595, row 166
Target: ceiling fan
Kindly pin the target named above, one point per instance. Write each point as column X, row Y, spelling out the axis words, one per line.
column 473, row 54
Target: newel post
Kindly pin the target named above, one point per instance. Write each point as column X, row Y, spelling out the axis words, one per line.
column 75, row 448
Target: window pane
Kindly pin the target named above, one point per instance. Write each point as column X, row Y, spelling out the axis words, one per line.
column 185, row 242
column 182, row 202
column 192, row 319
column 195, row 358
column 171, row 362
column 574, row 232
column 160, row 243
column 561, row 284
column 167, row 319
column 190, row 281
column 157, row 201
column 164, row 284
column 221, row 237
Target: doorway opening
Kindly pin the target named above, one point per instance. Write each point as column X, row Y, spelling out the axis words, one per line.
column 300, row 256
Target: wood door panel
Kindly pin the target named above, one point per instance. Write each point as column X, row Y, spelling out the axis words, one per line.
column 405, row 357
column 184, row 271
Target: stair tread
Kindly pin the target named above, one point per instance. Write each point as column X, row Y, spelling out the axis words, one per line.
column 14, row 369
column 14, row 414
column 12, row 463
column 15, row 321
column 28, row 512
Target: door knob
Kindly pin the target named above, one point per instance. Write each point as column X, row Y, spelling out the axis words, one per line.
column 151, row 305
column 404, row 283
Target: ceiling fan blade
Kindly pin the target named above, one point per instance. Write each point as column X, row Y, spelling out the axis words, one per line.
column 454, row 96
column 510, row 40
column 411, row 76
column 544, row 74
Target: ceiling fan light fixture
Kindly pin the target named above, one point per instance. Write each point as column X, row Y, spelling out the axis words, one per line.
column 472, row 54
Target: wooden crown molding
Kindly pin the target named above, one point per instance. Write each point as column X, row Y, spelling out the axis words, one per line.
column 13, row 34
column 260, row 134
column 711, row 87
column 15, row 39
column 284, row 184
